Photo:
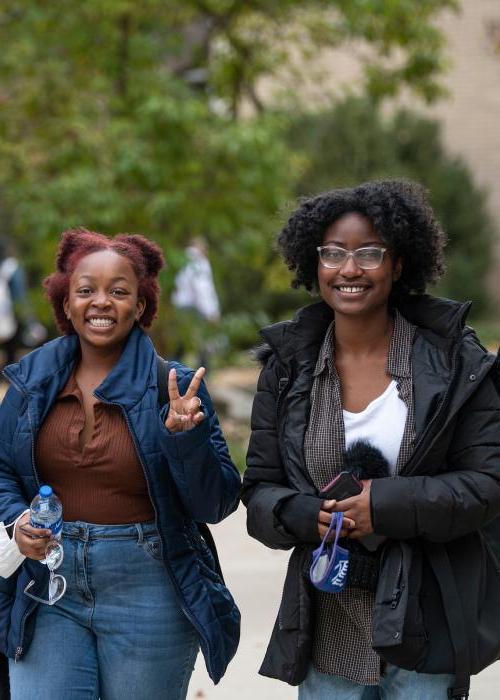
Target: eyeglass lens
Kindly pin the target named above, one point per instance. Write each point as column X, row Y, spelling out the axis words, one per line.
column 54, row 555
column 57, row 587
column 365, row 258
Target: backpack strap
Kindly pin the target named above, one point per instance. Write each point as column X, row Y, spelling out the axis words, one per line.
column 440, row 562
column 162, row 370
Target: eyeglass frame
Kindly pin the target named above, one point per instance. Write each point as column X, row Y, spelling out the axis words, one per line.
column 351, row 254
column 52, row 577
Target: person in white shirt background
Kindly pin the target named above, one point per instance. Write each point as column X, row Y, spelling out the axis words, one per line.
column 197, row 304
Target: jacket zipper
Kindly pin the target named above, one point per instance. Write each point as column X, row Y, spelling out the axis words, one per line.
column 167, row 566
column 282, row 385
column 398, row 589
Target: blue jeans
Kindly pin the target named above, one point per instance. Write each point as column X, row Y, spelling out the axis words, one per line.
column 118, row 632
column 395, row 684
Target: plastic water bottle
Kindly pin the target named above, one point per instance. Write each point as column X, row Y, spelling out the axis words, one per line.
column 46, row 511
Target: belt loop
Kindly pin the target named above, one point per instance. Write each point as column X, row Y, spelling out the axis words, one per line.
column 140, row 533
column 83, row 531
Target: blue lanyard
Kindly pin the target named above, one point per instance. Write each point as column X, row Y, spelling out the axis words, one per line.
column 330, row 562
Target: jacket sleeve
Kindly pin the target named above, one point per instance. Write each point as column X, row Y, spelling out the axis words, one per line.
column 461, row 499
column 13, row 501
column 207, row 481
column 277, row 515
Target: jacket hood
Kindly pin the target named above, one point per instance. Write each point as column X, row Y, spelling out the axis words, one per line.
column 48, row 368
column 441, row 320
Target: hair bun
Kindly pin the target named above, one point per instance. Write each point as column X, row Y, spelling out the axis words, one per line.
column 70, row 242
column 151, row 252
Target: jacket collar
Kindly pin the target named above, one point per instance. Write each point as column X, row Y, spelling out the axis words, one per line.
column 441, row 320
column 45, row 371
column 444, row 318
column 305, row 332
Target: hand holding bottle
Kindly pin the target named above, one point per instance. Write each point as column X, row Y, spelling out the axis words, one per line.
column 44, row 522
column 32, row 541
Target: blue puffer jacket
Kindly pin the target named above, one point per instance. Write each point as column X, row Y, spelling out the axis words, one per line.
column 190, row 478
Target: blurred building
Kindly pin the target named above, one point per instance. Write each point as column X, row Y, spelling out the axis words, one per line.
column 470, row 115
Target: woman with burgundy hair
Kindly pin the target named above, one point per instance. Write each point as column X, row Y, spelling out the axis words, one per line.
column 137, row 476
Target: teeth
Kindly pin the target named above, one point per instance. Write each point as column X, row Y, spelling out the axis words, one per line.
column 351, row 290
column 101, row 322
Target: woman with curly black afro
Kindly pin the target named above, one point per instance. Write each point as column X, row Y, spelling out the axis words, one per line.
column 398, row 210
column 376, row 420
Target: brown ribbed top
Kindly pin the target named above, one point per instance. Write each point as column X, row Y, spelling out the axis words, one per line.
column 103, row 482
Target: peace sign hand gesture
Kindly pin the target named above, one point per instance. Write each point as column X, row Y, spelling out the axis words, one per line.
column 184, row 412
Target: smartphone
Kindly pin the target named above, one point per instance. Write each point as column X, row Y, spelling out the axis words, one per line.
column 343, row 486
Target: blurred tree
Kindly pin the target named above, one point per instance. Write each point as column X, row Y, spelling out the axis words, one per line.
column 353, row 143
column 120, row 115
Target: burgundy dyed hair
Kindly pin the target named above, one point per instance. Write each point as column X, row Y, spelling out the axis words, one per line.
column 145, row 256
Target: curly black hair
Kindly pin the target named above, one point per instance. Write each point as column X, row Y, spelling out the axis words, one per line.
column 399, row 212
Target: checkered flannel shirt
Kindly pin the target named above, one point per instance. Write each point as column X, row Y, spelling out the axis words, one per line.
column 342, row 637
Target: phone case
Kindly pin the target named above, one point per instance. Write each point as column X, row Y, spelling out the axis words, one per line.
column 343, row 486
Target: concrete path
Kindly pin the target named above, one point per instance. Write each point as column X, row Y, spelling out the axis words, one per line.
column 255, row 576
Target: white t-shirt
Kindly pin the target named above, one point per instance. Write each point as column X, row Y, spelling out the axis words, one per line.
column 381, row 424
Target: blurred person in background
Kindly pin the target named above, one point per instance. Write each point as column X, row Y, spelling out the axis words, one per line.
column 137, row 478
column 18, row 326
column 197, row 304
column 379, row 360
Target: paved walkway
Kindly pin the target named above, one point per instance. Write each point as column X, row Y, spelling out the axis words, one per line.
column 255, row 575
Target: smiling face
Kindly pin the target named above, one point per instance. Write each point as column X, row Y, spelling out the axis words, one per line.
column 348, row 289
column 103, row 302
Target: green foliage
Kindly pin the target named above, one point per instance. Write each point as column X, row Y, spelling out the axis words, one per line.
column 156, row 159
column 126, row 116
column 353, row 143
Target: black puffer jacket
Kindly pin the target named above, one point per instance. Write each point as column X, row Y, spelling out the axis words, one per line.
column 440, row 514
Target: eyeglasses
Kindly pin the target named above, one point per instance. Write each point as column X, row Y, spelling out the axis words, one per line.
column 368, row 258
column 54, row 555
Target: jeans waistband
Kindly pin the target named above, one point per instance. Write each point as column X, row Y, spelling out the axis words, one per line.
column 91, row 531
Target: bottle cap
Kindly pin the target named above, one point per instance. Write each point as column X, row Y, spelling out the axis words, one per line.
column 45, row 491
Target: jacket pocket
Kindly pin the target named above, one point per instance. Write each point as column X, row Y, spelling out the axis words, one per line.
column 398, row 629
column 217, row 591
column 289, row 610
column 487, row 623
column 490, row 536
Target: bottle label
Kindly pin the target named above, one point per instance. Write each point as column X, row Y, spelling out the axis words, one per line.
column 55, row 528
